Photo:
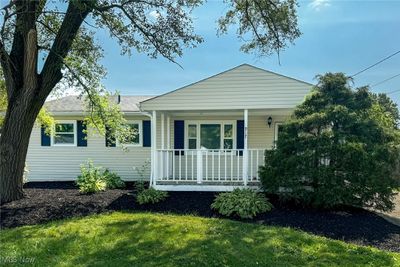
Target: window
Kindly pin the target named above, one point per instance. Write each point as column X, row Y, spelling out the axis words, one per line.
column 210, row 135
column 192, row 136
column 228, row 136
column 278, row 130
column 136, row 138
column 64, row 133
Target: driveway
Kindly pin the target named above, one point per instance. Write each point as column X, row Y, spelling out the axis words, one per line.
column 394, row 216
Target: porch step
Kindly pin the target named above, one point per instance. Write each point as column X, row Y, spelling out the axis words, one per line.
column 215, row 186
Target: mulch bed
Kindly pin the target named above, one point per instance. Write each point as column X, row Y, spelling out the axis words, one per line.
column 52, row 201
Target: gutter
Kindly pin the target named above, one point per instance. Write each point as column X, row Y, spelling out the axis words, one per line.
column 78, row 113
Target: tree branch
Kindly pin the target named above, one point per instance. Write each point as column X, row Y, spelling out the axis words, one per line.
column 51, row 72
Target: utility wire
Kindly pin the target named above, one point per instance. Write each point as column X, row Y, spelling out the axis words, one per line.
column 373, row 65
column 392, row 92
column 388, row 79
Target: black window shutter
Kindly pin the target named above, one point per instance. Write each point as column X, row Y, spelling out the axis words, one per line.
column 146, row 133
column 240, row 136
column 45, row 138
column 82, row 135
column 110, row 138
column 179, row 135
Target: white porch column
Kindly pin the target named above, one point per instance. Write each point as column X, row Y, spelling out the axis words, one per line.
column 245, row 152
column 168, row 132
column 162, row 131
column 154, row 146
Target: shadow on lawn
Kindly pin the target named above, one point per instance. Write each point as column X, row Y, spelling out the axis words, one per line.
column 151, row 241
column 352, row 225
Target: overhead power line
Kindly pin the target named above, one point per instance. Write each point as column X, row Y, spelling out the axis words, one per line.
column 388, row 79
column 392, row 92
column 373, row 65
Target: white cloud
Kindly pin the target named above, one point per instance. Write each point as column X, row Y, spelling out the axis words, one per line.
column 317, row 5
column 154, row 14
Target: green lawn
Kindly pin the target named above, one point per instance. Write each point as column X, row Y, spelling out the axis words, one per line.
column 145, row 239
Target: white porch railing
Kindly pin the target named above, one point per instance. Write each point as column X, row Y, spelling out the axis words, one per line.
column 208, row 166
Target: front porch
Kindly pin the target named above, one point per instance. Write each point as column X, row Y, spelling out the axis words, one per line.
column 210, row 150
column 206, row 169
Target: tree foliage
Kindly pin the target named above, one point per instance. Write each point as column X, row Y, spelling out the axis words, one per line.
column 271, row 24
column 155, row 27
column 389, row 108
column 339, row 148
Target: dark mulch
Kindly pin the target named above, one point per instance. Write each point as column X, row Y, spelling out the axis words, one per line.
column 51, row 201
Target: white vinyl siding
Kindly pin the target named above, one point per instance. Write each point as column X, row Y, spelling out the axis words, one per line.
column 244, row 87
column 62, row 163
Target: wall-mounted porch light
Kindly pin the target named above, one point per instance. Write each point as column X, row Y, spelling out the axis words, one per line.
column 269, row 121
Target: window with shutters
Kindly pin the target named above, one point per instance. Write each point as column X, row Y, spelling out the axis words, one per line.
column 136, row 138
column 64, row 133
column 210, row 135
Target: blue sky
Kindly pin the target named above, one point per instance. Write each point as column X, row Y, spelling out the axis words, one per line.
column 338, row 36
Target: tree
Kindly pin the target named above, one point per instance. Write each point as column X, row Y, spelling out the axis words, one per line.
column 389, row 108
column 3, row 98
column 339, row 148
column 43, row 118
column 58, row 35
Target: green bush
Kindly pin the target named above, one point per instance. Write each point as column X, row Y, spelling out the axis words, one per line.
column 140, row 186
column 91, row 179
column 151, row 196
column 245, row 203
column 341, row 147
column 112, row 180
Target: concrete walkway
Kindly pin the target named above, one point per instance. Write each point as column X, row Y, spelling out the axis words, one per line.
column 393, row 216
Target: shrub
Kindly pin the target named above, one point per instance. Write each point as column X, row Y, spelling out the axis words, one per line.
column 339, row 148
column 112, row 180
column 140, row 186
column 91, row 179
column 245, row 203
column 151, row 196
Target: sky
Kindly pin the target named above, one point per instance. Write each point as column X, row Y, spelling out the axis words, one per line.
column 337, row 36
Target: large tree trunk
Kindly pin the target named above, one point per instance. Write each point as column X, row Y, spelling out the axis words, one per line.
column 26, row 90
column 14, row 141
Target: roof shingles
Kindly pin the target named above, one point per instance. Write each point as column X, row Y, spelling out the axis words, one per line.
column 76, row 104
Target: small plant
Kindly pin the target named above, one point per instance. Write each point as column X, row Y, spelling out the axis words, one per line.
column 112, row 180
column 245, row 203
column 140, row 186
column 151, row 196
column 91, row 179
column 143, row 172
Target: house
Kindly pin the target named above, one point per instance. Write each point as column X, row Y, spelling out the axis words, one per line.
column 209, row 135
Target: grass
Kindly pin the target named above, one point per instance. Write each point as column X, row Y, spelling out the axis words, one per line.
column 146, row 239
